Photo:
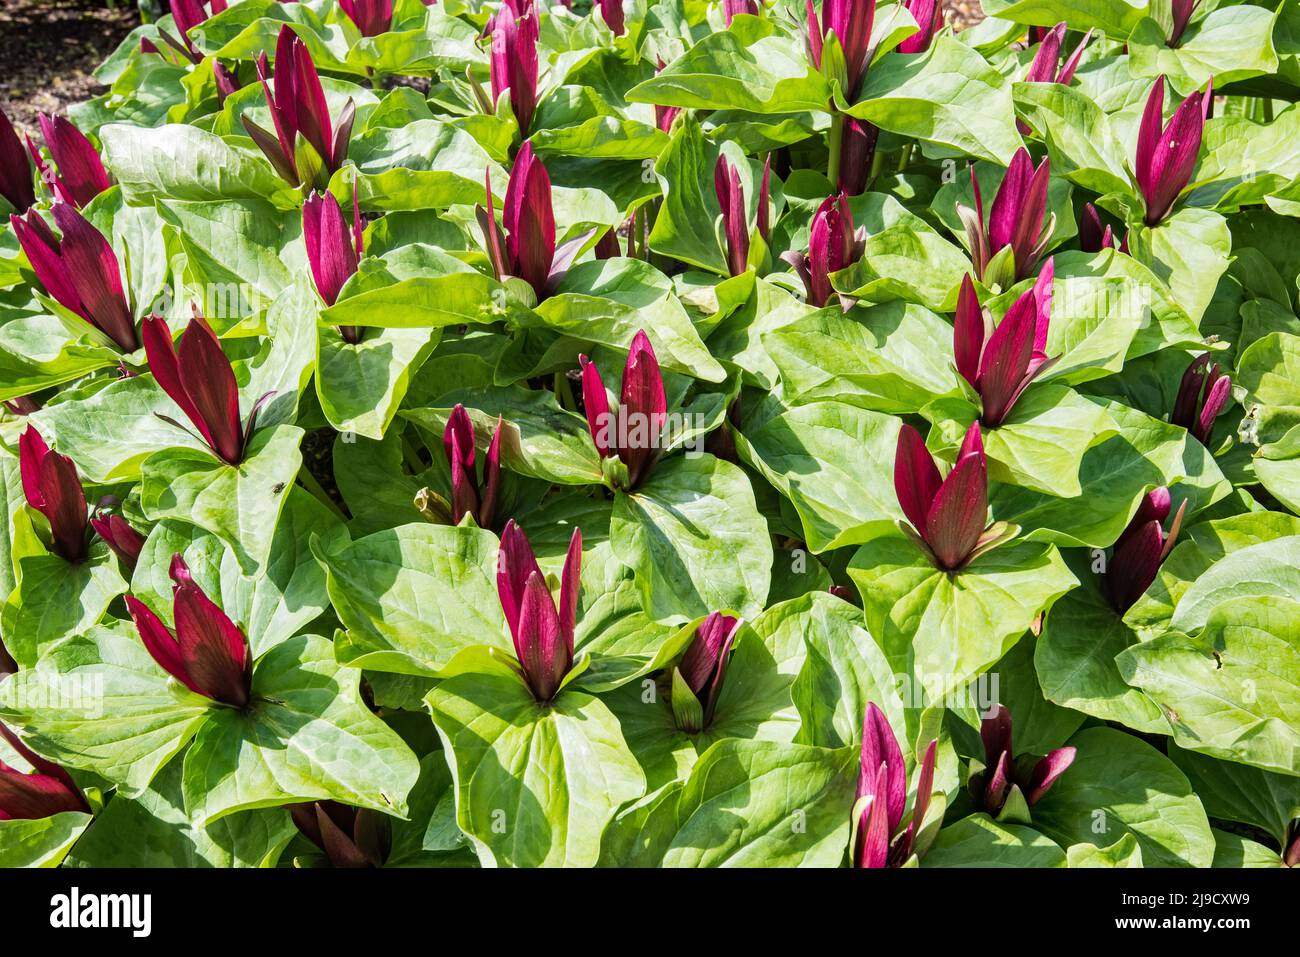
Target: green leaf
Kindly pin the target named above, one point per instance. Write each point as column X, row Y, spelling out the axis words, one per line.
column 1120, row 785
column 843, row 671
column 1123, row 853
column 949, row 96
column 1113, row 475
column 747, row 67
column 184, row 162
column 361, row 386
column 110, row 433
column 879, row 357
column 535, row 784
column 1115, row 18
column 538, row 438
column 762, row 803
column 1075, row 657
column 423, row 164
column 1189, row 251
column 1081, row 143
column 1228, row 44
column 695, row 538
column 286, row 596
column 1230, row 691
column 54, row 599
column 1040, row 445
column 835, row 463
column 1236, row 792
column 99, row 702
column 903, row 258
column 306, row 736
column 154, row 831
column 239, row 504
column 413, row 597
column 43, row 842
column 978, row 841
column 949, row 627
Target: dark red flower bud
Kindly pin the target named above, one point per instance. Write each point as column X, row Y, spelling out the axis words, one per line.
column 47, row 790
column 124, row 540
column 51, row 486
column 882, row 779
column 633, row 434
column 467, row 496
column 15, row 169
column 1202, row 395
column 701, row 671
column 198, row 377
column 543, row 635
column 1141, row 549
column 1167, row 154
column 349, row 836
column 79, row 271
column 949, row 515
column 208, row 653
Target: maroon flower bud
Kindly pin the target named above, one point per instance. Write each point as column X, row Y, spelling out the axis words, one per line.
column 303, row 129
column 1182, row 11
column 851, row 22
column 664, row 115
column 1002, row 771
column 333, row 251
column 371, row 17
column 1202, row 395
column 47, row 790
column 543, row 635
column 524, row 244
column 1093, row 236
column 857, row 150
column 23, row 405
column 1141, row 549
column 79, row 271
column 513, row 63
column 51, row 486
column 833, row 245
column 879, row 840
column 633, row 434
column 611, row 11
column 735, row 221
column 124, row 540
column 1001, row 363
column 1044, row 69
column 1016, row 219
column 1167, row 154
column 199, row 379
column 349, row 836
column 15, row 170
column 697, row 679
column 208, row 653
column 948, row 516
column 468, row 496
column 733, row 8
column 81, row 175
column 189, row 14
column 929, row 17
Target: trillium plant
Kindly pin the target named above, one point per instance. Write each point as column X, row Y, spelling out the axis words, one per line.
column 544, row 434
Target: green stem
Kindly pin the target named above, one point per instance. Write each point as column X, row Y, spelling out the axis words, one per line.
column 877, row 164
column 564, row 392
column 311, row 485
column 833, row 144
column 411, row 457
column 1268, row 109
column 905, row 159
